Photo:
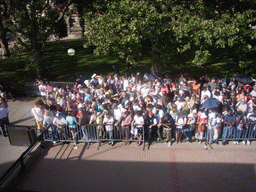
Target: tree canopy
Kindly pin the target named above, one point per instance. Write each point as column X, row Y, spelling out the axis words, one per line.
column 127, row 27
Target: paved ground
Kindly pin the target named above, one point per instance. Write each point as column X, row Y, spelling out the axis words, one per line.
column 182, row 167
column 19, row 114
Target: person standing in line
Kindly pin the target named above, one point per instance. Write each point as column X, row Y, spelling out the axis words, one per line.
column 60, row 122
column 180, row 122
column 4, row 121
column 240, row 122
column 71, row 122
column 137, row 126
column 229, row 122
column 48, row 122
column 109, row 126
column 252, row 126
column 42, row 89
column 167, row 123
column 38, row 113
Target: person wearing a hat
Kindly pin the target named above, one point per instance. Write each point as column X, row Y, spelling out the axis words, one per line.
column 201, row 125
column 60, row 122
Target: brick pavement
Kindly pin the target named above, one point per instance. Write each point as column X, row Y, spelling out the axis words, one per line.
column 182, row 167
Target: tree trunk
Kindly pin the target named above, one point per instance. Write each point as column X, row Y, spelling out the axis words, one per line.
column 4, row 44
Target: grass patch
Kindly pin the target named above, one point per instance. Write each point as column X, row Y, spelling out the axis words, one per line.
column 58, row 66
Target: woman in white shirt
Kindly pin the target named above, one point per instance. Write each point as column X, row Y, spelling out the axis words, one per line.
column 180, row 121
column 137, row 126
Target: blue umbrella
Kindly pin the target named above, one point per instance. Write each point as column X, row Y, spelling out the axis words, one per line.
column 243, row 78
column 211, row 103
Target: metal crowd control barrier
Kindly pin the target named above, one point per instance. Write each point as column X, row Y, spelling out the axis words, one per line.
column 91, row 133
column 248, row 133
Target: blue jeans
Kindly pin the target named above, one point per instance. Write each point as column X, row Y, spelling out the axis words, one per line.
column 53, row 134
column 227, row 132
column 252, row 131
column 210, row 133
column 85, row 134
column 238, row 134
column 110, row 134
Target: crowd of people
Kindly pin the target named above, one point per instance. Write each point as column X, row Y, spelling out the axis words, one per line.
column 147, row 107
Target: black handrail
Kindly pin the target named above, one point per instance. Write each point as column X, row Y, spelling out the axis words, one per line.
column 20, row 160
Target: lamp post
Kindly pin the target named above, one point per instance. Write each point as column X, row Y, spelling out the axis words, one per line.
column 71, row 53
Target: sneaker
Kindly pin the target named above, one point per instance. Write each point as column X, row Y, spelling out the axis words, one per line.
column 75, row 147
column 109, row 143
column 244, row 142
column 248, row 142
column 112, row 143
column 235, row 142
column 205, row 146
column 169, row 143
column 54, row 142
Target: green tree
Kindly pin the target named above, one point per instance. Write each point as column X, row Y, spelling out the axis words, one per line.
column 127, row 27
column 33, row 23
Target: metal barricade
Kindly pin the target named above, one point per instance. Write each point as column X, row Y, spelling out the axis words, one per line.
column 92, row 133
column 248, row 133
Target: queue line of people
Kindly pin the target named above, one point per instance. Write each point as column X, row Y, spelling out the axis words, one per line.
column 160, row 109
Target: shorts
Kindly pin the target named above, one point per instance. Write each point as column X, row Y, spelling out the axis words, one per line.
column 39, row 125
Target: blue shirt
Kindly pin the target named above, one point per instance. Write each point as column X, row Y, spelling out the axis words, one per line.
column 229, row 119
column 87, row 97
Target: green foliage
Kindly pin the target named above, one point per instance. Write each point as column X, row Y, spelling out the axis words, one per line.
column 196, row 25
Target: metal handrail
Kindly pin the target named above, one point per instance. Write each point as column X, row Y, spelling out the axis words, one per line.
column 20, row 160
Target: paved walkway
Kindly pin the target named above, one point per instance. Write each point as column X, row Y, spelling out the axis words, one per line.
column 19, row 114
column 181, row 167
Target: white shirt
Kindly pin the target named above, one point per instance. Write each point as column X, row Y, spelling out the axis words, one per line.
column 3, row 112
column 160, row 115
column 109, row 123
column 125, row 84
column 38, row 114
column 180, row 121
column 117, row 114
column 138, row 120
column 42, row 88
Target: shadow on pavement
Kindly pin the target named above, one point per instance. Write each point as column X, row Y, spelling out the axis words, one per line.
column 75, row 173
